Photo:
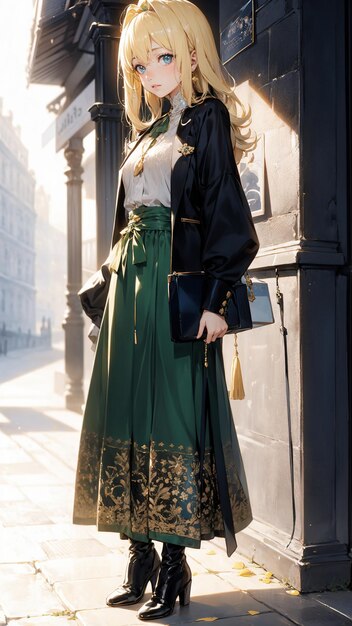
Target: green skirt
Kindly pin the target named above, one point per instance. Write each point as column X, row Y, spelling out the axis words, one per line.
column 138, row 464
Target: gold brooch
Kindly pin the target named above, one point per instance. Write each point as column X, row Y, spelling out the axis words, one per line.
column 186, row 149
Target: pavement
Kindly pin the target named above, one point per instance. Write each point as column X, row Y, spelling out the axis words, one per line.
column 53, row 573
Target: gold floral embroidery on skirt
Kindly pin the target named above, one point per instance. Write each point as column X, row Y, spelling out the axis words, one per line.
column 122, row 486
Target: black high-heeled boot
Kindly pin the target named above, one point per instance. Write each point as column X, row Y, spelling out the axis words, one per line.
column 143, row 566
column 175, row 579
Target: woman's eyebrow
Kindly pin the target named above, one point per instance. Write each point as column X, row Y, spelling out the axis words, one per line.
column 153, row 50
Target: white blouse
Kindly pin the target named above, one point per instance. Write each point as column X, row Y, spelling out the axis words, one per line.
column 152, row 186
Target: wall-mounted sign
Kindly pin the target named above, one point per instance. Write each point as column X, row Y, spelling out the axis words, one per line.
column 75, row 120
column 251, row 170
column 239, row 33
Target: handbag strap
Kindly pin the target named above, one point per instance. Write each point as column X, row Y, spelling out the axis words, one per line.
column 283, row 331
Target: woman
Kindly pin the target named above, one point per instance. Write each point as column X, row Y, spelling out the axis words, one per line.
column 180, row 207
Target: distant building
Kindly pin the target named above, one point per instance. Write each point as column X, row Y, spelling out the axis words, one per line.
column 17, row 231
column 50, row 265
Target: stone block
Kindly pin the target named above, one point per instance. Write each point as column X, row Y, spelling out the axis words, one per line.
column 302, row 610
column 46, row 620
column 340, row 601
column 73, row 548
column 15, row 548
column 26, row 595
column 84, row 568
column 10, row 493
column 11, row 514
column 78, row 595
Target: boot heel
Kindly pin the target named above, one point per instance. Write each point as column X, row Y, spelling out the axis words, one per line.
column 153, row 579
column 185, row 594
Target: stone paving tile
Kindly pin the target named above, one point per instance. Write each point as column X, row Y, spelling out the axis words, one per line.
column 60, row 517
column 266, row 619
column 54, row 465
column 20, row 468
column 45, row 532
column 26, row 595
column 251, row 582
column 15, row 548
column 126, row 616
column 74, row 548
column 5, row 441
column 112, row 540
column 14, row 455
column 64, row 446
column 42, row 478
column 13, row 569
column 213, row 558
column 47, row 620
column 302, row 609
column 29, row 514
column 114, row 617
column 64, row 570
column 196, row 567
column 341, row 601
column 210, row 598
column 26, row 442
column 59, row 494
column 68, row 418
column 10, row 493
column 86, row 594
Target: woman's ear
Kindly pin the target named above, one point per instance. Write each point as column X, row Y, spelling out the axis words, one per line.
column 194, row 61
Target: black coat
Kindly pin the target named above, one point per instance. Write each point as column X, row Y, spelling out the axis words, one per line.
column 212, row 227
column 211, row 224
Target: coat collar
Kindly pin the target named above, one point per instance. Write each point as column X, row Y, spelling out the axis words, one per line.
column 185, row 133
column 179, row 173
column 139, row 139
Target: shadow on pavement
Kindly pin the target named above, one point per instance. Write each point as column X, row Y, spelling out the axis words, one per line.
column 25, row 419
column 20, row 362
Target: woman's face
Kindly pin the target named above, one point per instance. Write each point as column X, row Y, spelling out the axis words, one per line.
column 160, row 75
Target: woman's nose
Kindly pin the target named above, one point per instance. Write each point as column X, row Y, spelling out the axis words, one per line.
column 149, row 74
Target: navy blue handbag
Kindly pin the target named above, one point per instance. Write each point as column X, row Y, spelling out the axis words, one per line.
column 186, row 295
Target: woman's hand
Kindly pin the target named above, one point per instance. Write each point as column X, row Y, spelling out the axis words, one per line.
column 215, row 325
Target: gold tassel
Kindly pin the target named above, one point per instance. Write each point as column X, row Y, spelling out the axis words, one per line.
column 236, row 391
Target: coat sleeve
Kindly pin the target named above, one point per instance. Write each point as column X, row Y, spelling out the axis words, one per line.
column 230, row 242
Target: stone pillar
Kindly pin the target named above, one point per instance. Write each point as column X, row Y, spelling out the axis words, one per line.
column 106, row 113
column 73, row 321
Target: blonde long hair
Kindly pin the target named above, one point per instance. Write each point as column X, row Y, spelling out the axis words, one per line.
column 179, row 26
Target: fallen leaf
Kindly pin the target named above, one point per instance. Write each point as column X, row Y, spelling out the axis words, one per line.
column 211, row 552
column 293, row 592
column 253, row 612
column 246, row 572
column 267, row 581
column 238, row 565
